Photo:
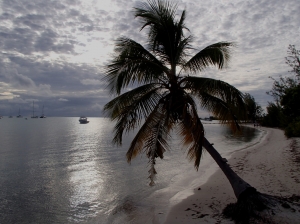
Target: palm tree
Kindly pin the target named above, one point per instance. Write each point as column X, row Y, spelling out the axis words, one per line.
column 157, row 90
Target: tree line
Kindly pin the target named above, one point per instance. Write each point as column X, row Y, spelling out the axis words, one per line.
column 284, row 112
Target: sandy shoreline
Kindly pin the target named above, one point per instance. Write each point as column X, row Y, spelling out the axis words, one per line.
column 272, row 166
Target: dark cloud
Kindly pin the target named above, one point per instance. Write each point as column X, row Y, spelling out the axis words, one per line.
column 46, row 41
column 32, row 21
column 40, row 26
column 22, row 81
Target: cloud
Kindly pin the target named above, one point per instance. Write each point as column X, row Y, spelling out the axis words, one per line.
column 45, row 90
column 54, row 50
column 63, row 100
column 7, row 96
column 90, row 82
column 22, row 81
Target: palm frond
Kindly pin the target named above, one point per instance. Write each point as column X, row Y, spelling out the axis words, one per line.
column 155, row 12
column 182, row 42
column 148, row 128
column 132, row 64
column 227, row 113
column 114, row 108
column 181, row 52
column 217, row 54
column 214, row 87
column 192, row 131
column 152, row 137
column 156, row 144
column 165, row 35
column 130, row 108
column 221, row 99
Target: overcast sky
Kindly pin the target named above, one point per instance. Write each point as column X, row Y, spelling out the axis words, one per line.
column 53, row 51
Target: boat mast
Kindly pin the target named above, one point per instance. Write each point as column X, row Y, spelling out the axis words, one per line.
column 33, row 111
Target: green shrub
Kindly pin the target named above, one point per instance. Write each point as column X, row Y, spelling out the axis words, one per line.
column 293, row 129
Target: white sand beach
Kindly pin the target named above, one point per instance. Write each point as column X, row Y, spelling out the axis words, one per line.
column 271, row 166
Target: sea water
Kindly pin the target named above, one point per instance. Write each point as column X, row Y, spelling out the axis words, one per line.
column 56, row 170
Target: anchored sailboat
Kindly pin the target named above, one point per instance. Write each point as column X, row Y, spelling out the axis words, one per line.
column 33, row 112
column 43, row 116
column 19, row 116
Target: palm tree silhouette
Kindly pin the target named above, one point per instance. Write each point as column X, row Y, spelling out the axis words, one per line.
column 163, row 98
column 157, row 90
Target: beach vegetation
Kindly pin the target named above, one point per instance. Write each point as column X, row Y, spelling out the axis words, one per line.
column 158, row 90
column 293, row 129
column 293, row 60
column 254, row 110
column 284, row 113
column 274, row 117
column 291, row 111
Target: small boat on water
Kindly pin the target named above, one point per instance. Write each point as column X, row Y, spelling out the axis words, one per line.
column 83, row 120
column 19, row 116
column 10, row 116
column 43, row 116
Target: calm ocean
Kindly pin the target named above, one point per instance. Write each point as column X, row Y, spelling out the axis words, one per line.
column 56, row 170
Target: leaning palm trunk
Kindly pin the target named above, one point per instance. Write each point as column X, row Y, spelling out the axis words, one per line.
column 238, row 184
column 250, row 203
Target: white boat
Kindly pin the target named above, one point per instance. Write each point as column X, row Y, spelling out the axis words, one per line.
column 43, row 116
column 83, row 120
